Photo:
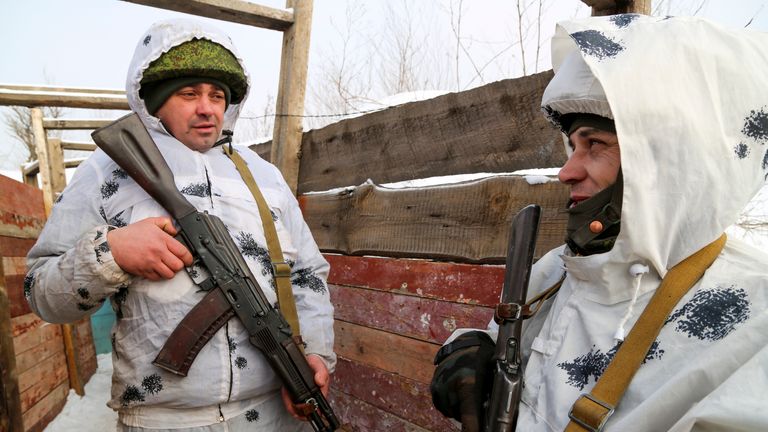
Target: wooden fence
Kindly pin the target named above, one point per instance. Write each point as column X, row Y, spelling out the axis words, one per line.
column 409, row 266
column 34, row 380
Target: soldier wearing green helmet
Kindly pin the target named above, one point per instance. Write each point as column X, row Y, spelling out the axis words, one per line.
column 107, row 239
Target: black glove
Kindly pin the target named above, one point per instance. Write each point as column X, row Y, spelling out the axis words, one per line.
column 463, row 379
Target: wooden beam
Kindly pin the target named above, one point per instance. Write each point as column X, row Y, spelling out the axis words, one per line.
column 465, row 222
column 615, row 7
column 68, row 99
column 78, row 146
column 30, row 170
column 75, row 124
column 43, row 158
column 287, row 135
column 236, row 11
column 494, row 128
column 57, row 89
column 10, row 401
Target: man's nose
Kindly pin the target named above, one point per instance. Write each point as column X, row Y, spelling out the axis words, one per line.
column 573, row 171
column 205, row 106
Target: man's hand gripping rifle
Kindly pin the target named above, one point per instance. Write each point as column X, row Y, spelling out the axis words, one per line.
column 501, row 414
column 232, row 288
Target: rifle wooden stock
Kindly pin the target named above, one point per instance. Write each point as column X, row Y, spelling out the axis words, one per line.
column 229, row 280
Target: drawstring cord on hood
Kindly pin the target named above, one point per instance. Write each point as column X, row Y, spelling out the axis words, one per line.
column 637, row 271
column 226, row 140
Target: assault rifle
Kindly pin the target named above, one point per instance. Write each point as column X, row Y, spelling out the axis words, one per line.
column 501, row 414
column 232, row 288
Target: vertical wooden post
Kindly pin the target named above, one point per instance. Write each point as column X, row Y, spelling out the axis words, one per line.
column 614, row 7
column 51, row 162
column 10, row 401
column 286, row 139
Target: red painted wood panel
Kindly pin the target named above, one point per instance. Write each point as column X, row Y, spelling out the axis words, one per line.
column 21, row 199
column 418, row 317
column 392, row 393
column 15, row 247
column 358, row 416
column 18, row 303
column 464, row 283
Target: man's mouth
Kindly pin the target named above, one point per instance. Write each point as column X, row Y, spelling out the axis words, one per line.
column 576, row 200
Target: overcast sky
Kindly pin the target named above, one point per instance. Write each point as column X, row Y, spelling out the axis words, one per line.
column 88, row 43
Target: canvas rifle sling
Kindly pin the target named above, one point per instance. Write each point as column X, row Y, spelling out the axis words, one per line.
column 591, row 410
column 281, row 269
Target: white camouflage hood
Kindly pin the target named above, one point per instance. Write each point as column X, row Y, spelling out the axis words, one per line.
column 690, row 102
column 161, row 37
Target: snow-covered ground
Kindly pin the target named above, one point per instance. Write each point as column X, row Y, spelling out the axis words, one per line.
column 90, row 412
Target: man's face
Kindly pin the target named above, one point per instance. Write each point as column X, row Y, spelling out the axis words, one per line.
column 594, row 164
column 194, row 115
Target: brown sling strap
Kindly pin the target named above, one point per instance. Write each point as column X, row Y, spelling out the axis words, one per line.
column 280, row 268
column 591, row 410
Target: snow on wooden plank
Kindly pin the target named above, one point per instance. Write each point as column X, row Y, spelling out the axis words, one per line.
column 463, row 222
column 402, row 355
column 406, row 315
column 464, row 283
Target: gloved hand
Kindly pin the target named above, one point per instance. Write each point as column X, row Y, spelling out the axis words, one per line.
column 463, row 378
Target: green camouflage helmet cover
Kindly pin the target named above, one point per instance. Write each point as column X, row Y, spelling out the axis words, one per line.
column 198, row 58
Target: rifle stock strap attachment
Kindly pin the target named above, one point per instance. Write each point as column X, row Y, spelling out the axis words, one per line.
column 280, row 269
column 193, row 332
column 591, row 411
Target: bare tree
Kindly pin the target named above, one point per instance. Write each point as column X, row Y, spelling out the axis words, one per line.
column 18, row 121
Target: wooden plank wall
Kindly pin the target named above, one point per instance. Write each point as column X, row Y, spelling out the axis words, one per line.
column 41, row 376
column 409, row 266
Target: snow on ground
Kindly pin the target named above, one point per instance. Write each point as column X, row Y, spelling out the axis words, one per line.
column 90, row 412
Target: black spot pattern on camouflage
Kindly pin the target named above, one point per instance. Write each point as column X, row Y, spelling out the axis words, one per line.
column 623, row 20
column 109, row 188
column 201, row 189
column 131, row 394
column 554, row 116
column 741, row 150
column 119, row 173
column 593, row 364
column 765, row 161
column 103, row 214
column 152, row 384
column 596, row 44
column 253, row 250
column 241, row 362
column 756, row 125
column 102, row 248
column 119, row 297
column 251, row 415
column 98, row 235
column 712, row 314
column 83, row 293
column 84, row 306
column 59, row 198
column 306, row 278
column 232, row 344
column 113, row 341
column 29, row 282
column 118, row 220
column 147, row 39
column 274, row 216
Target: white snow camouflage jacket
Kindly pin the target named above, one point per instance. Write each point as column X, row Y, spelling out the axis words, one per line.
column 71, row 269
column 690, row 103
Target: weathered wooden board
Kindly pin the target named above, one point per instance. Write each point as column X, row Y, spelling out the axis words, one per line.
column 460, row 222
column 10, row 403
column 21, row 209
column 15, row 286
column 404, row 356
column 406, row 315
column 35, row 336
column 36, row 383
column 237, row 11
column 31, row 357
column 16, row 247
column 463, row 283
column 494, row 128
column 358, row 416
column 37, row 417
column 392, row 393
